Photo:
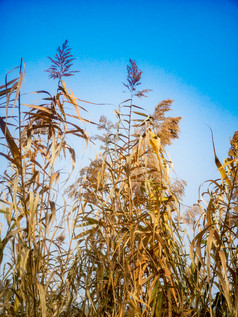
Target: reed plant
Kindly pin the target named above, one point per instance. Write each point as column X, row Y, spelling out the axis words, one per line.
column 129, row 219
column 112, row 241
column 37, row 266
column 214, row 251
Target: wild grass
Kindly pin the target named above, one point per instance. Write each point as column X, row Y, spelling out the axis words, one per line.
column 112, row 242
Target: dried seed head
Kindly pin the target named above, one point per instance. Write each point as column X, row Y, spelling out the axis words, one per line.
column 234, row 145
column 62, row 63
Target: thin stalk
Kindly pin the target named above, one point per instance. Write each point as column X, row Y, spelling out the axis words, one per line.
column 20, row 146
column 129, row 128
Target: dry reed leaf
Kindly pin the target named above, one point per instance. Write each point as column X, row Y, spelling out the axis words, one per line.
column 153, row 289
column 43, row 109
column 154, row 141
column 197, row 246
column 8, row 98
column 137, row 299
column 219, row 165
column 209, row 246
column 19, row 84
column 209, row 213
column 133, row 304
column 54, row 178
column 24, row 259
column 42, row 294
column 225, row 282
column 11, row 143
column 4, row 92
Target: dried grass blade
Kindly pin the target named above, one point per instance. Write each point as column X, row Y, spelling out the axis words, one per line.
column 8, row 84
column 42, row 294
column 11, row 143
column 219, row 165
column 19, row 84
column 39, row 108
column 226, row 287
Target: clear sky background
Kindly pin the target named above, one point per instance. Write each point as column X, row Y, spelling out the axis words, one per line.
column 187, row 51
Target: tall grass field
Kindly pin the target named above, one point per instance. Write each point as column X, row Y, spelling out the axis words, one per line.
column 108, row 239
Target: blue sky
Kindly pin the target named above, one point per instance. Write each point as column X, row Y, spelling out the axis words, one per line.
column 187, row 51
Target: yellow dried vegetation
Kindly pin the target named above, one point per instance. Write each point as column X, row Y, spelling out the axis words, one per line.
column 111, row 242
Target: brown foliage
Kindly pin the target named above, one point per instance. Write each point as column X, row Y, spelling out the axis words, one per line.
column 115, row 245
